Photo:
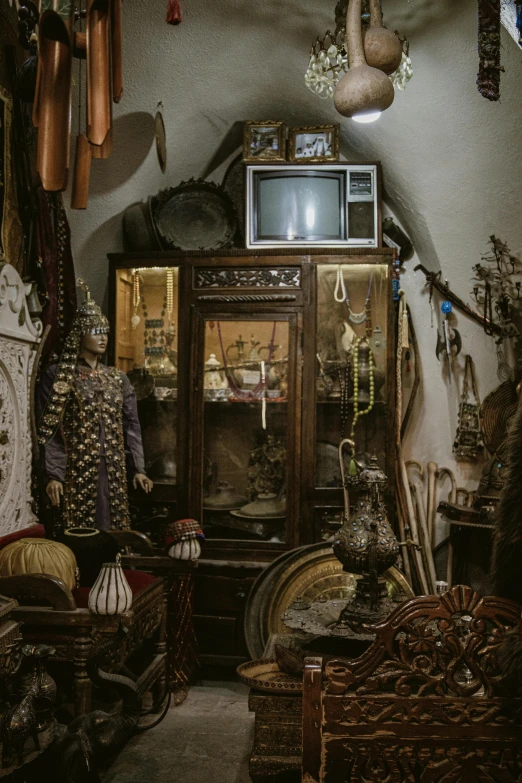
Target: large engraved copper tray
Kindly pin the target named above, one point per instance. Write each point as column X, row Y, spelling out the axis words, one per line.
column 310, row 573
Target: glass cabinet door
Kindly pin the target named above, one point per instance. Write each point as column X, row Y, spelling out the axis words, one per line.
column 146, row 348
column 351, row 377
column 247, row 383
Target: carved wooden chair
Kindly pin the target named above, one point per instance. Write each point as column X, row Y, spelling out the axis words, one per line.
column 52, row 614
column 423, row 704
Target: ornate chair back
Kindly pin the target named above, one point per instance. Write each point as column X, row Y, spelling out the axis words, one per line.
column 425, row 703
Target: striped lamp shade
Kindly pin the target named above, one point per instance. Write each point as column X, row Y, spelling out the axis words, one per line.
column 111, row 593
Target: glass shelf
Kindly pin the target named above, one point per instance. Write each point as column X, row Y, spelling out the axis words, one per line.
column 146, row 343
column 245, row 442
column 362, row 316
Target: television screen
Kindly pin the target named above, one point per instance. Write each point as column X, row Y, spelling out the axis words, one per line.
column 300, row 206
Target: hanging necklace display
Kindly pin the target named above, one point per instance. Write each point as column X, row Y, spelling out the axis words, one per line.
column 468, row 440
column 153, row 338
column 344, row 385
column 157, row 340
column 341, row 295
column 136, row 297
column 363, row 386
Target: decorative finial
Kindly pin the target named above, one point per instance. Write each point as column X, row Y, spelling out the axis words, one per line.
column 85, row 288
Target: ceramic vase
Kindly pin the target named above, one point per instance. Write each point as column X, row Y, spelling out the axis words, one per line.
column 187, row 549
column 111, row 593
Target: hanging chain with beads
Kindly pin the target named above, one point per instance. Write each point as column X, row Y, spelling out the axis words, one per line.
column 356, row 412
column 151, row 337
column 344, row 385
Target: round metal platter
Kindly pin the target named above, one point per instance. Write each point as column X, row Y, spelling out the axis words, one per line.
column 311, row 573
column 195, row 215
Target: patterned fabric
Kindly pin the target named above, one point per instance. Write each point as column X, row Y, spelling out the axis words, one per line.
column 10, row 226
column 182, row 645
column 96, row 446
column 57, row 284
column 182, row 529
column 97, row 399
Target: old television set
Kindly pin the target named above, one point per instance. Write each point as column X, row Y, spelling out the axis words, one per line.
column 321, row 205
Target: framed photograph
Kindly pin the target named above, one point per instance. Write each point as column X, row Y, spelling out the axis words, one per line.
column 318, row 144
column 264, row 141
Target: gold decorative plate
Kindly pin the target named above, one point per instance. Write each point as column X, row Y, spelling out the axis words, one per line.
column 311, row 573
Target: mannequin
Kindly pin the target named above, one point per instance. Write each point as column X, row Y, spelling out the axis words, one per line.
column 89, row 432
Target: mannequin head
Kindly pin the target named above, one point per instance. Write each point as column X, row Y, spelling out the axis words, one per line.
column 93, row 346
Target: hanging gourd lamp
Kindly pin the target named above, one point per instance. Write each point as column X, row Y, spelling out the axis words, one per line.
column 364, row 92
column 382, row 48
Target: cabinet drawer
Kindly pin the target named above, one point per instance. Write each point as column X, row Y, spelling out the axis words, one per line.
column 221, row 593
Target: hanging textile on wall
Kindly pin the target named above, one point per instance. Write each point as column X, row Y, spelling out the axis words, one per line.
column 488, row 79
column 53, row 245
column 10, row 226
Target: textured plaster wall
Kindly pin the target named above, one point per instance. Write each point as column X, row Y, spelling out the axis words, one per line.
column 451, row 160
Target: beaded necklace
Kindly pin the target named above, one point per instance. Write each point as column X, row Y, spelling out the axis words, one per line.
column 356, row 412
column 152, row 338
column 344, row 385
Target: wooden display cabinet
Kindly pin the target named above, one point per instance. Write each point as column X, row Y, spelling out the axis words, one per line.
column 247, row 354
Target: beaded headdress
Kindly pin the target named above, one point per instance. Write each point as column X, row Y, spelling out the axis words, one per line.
column 89, row 319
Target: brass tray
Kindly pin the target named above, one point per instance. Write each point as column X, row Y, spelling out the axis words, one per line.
column 265, row 675
column 311, row 573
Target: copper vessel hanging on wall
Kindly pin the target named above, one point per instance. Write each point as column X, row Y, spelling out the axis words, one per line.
column 98, row 71
column 52, row 105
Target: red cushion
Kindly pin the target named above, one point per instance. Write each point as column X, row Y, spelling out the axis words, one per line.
column 36, row 531
column 138, row 581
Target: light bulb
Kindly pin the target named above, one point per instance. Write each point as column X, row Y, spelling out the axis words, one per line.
column 369, row 116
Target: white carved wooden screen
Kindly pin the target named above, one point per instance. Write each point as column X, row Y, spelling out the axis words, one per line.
column 19, row 336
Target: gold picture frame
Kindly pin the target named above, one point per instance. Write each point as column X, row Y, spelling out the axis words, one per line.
column 314, row 144
column 264, row 142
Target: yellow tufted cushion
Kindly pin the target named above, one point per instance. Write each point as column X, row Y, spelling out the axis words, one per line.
column 39, row 556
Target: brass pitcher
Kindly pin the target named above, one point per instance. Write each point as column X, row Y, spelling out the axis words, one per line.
column 366, row 543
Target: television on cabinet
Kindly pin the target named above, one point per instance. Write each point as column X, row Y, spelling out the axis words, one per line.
column 312, row 206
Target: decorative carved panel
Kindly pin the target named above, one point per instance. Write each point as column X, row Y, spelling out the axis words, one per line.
column 247, row 298
column 18, row 337
column 432, row 646
column 426, row 702
column 418, row 762
column 247, row 278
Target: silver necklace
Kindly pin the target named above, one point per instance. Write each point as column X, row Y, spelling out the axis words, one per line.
column 341, row 295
